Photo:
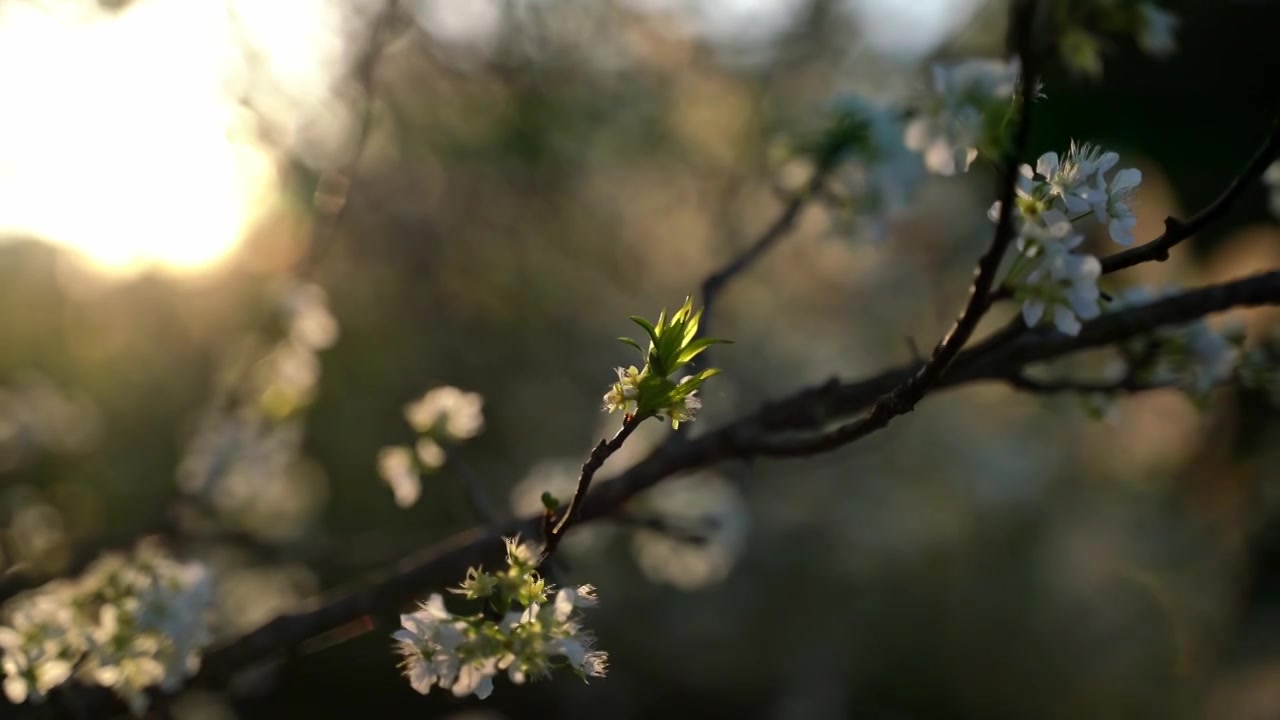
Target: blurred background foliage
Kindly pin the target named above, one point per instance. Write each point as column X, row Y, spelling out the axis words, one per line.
column 522, row 176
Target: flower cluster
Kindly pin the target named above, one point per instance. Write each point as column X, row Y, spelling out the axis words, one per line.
column 965, row 115
column 650, row 391
column 128, row 624
column 1084, row 24
column 1194, row 357
column 443, row 414
column 1048, row 277
column 527, row 629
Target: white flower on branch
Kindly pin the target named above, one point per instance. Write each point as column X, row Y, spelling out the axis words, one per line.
column 464, row 652
column 623, row 394
column 1068, row 180
column 1110, row 202
column 1066, row 286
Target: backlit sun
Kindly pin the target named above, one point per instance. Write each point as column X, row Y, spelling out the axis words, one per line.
column 118, row 136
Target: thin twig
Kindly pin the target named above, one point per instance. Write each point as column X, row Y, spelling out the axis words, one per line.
column 602, row 451
column 1176, row 231
column 715, row 283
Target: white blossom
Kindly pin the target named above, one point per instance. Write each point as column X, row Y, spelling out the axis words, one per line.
column 684, row 410
column 1110, row 201
column 1064, row 285
column 624, row 394
column 1068, row 180
column 465, row 653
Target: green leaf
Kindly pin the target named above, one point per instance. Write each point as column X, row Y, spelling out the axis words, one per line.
column 633, row 344
column 662, row 321
column 696, row 380
column 695, row 348
column 691, row 329
column 648, row 327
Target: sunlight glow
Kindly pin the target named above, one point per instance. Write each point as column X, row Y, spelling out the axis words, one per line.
column 117, row 138
column 910, row 29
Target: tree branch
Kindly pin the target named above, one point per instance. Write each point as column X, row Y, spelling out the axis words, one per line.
column 443, row 563
column 552, row 534
column 1176, row 231
column 715, row 283
column 903, row 398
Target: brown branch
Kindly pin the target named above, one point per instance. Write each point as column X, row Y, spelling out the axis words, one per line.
column 1176, row 231
column 715, row 283
column 553, row 534
column 442, row 564
column 1021, row 381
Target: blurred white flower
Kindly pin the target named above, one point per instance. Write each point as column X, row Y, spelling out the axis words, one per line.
column 876, row 180
column 950, row 128
column 128, row 624
column 310, row 324
column 460, row 414
column 429, row 453
column 706, row 504
column 398, row 469
column 1194, row 357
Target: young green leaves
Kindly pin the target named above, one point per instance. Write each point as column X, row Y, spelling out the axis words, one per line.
column 673, row 344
